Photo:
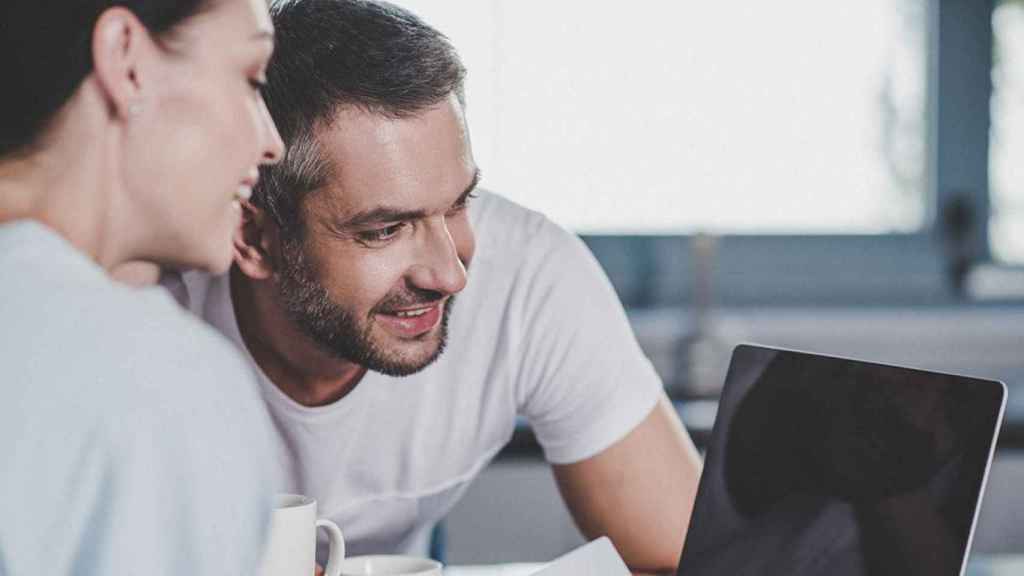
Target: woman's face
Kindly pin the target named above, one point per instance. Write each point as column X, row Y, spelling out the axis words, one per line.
column 200, row 133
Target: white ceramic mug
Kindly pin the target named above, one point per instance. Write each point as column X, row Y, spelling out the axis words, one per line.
column 291, row 546
column 389, row 565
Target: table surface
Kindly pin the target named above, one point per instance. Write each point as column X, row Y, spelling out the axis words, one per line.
column 996, row 565
column 496, row 570
column 979, row 566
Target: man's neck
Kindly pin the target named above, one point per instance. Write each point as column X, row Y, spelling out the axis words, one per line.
column 294, row 363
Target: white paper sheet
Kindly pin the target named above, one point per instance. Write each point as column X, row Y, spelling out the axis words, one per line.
column 597, row 558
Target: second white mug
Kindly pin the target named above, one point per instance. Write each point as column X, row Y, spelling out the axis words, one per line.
column 390, row 565
column 291, row 546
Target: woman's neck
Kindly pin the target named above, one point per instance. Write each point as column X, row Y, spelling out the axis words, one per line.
column 68, row 187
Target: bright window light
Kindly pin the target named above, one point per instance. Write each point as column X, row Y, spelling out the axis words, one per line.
column 662, row 116
column 1006, row 150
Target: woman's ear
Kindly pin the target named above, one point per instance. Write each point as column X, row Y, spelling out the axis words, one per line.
column 254, row 239
column 120, row 44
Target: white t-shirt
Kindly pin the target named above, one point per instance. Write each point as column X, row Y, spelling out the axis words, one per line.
column 131, row 438
column 538, row 332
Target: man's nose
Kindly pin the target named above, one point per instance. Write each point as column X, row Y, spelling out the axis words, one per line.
column 438, row 266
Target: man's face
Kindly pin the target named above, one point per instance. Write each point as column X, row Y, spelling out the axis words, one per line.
column 387, row 240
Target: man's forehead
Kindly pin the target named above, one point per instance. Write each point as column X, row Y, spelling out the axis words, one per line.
column 358, row 126
column 413, row 162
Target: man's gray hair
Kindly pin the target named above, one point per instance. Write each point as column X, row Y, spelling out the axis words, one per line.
column 333, row 54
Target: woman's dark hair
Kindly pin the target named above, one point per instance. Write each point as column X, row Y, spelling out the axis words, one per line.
column 46, row 52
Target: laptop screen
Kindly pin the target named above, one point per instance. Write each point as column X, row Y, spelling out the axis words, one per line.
column 820, row 465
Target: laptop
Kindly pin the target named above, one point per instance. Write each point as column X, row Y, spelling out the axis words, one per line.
column 822, row 465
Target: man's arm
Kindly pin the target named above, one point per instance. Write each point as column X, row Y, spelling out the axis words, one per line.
column 639, row 491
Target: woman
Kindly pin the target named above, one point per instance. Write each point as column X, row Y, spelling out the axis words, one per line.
column 131, row 438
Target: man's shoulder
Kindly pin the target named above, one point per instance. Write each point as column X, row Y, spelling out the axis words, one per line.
column 522, row 260
column 515, row 234
column 82, row 337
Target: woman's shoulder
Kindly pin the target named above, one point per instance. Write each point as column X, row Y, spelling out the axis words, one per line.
column 61, row 311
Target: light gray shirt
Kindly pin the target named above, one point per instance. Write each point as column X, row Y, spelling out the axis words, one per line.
column 132, row 437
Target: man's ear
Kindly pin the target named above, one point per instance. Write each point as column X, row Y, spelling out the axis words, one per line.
column 254, row 240
column 120, row 45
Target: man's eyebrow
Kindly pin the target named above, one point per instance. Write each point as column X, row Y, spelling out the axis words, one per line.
column 385, row 214
column 469, row 189
column 381, row 215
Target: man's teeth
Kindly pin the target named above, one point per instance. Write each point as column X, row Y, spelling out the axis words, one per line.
column 412, row 313
column 243, row 193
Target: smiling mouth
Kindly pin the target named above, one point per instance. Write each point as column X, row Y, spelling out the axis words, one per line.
column 413, row 322
column 243, row 192
column 413, row 313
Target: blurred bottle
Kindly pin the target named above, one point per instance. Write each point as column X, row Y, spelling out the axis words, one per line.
column 703, row 350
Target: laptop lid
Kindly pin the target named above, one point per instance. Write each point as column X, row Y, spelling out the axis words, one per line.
column 822, row 465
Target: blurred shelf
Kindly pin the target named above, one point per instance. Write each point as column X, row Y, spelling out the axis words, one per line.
column 699, row 418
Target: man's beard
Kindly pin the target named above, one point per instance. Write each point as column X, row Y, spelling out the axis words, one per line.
column 335, row 330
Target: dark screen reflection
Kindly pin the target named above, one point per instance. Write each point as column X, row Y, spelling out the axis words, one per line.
column 826, row 466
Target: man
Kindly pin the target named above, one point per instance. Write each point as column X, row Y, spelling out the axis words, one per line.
column 369, row 251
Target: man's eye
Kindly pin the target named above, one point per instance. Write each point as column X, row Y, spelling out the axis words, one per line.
column 380, row 234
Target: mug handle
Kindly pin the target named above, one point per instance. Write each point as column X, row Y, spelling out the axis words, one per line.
column 337, row 547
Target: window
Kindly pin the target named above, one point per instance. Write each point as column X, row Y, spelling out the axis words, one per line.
column 838, row 152
column 1007, row 134
column 675, row 117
